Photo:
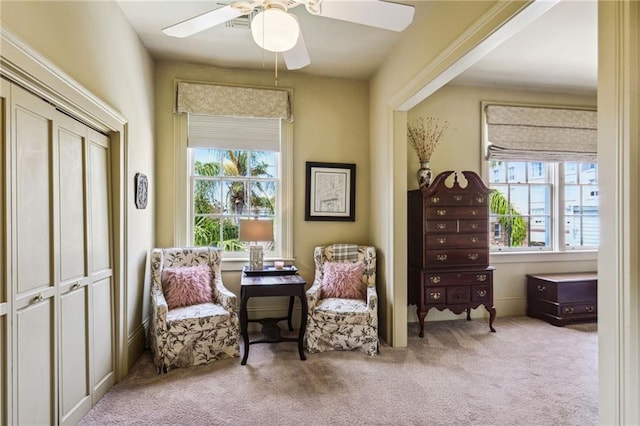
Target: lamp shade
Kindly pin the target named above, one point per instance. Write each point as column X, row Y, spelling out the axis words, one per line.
column 275, row 30
column 256, row 230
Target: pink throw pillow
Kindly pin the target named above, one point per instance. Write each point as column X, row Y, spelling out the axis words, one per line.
column 343, row 280
column 187, row 285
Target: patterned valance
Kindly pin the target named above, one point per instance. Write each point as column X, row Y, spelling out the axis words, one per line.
column 230, row 101
column 522, row 133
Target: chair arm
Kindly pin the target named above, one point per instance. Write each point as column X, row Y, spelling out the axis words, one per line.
column 372, row 301
column 225, row 297
column 159, row 308
column 313, row 294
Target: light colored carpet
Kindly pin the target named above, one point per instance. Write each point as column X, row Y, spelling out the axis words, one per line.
column 527, row 373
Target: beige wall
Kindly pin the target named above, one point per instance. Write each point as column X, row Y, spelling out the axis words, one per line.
column 331, row 124
column 441, row 35
column 94, row 44
column 461, row 149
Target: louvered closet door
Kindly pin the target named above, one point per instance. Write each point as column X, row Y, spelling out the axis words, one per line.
column 101, row 265
column 33, row 261
column 74, row 285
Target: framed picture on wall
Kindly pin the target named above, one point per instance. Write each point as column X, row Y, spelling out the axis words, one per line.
column 142, row 189
column 330, row 192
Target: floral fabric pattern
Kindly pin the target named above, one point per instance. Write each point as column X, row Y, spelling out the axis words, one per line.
column 343, row 324
column 197, row 334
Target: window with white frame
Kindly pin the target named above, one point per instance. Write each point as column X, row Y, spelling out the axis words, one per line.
column 543, row 206
column 543, row 176
column 235, row 168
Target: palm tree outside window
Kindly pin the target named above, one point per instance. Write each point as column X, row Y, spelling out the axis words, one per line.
column 228, row 185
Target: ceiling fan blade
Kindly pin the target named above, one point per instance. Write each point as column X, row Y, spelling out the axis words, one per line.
column 203, row 22
column 298, row 56
column 374, row 13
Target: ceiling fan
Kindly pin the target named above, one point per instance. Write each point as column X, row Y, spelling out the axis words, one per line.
column 276, row 30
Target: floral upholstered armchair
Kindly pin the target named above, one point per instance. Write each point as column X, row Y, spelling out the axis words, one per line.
column 343, row 303
column 193, row 316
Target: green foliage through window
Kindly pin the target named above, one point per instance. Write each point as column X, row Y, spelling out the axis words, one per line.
column 228, row 185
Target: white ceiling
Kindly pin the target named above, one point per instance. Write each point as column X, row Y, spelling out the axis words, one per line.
column 557, row 52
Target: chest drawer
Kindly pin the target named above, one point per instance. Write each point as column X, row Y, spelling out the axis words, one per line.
column 457, row 241
column 456, row 257
column 448, row 212
column 442, row 226
column 458, row 278
column 457, row 199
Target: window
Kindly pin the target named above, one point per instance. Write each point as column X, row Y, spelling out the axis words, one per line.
column 526, row 200
column 228, row 185
column 237, row 168
column 543, row 176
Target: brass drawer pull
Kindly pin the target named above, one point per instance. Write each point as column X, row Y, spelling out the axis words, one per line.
column 441, row 212
column 473, row 256
column 542, row 287
column 474, row 212
column 474, row 239
column 590, row 309
column 457, row 197
column 474, row 226
column 481, row 277
column 435, row 280
column 480, row 199
column 568, row 310
column 434, row 295
column 442, row 240
column 481, row 293
column 435, row 200
column 441, row 257
column 441, row 225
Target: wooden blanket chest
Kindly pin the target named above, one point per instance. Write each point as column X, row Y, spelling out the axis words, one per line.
column 563, row 298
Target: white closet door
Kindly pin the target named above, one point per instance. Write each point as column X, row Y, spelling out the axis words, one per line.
column 34, row 290
column 75, row 381
column 5, row 342
column 100, row 266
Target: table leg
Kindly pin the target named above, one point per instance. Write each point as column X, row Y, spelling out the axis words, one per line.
column 244, row 322
column 303, row 323
column 290, row 320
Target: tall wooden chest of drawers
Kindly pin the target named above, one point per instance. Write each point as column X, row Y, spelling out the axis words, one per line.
column 563, row 298
column 448, row 247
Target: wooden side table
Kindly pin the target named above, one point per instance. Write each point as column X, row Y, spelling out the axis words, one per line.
column 266, row 286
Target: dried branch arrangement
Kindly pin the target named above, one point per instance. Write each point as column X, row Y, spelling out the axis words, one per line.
column 425, row 135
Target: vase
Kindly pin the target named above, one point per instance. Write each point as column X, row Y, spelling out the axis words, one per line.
column 424, row 175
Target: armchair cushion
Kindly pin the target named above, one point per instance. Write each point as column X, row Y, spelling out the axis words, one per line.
column 343, row 280
column 187, row 285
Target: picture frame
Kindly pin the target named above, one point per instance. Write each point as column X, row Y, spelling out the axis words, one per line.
column 330, row 192
column 141, row 190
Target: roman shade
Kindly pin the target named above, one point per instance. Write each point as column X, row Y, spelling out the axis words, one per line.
column 260, row 134
column 526, row 133
column 231, row 101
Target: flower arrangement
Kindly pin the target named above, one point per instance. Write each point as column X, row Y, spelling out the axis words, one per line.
column 425, row 135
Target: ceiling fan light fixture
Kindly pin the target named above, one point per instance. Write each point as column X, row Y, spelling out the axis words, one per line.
column 275, row 30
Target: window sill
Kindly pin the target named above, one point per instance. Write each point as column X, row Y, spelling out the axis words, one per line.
column 546, row 256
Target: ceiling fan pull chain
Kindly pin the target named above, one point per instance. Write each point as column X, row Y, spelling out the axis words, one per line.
column 276, row 53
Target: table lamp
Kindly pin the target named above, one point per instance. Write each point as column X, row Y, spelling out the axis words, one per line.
column 254, row 231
